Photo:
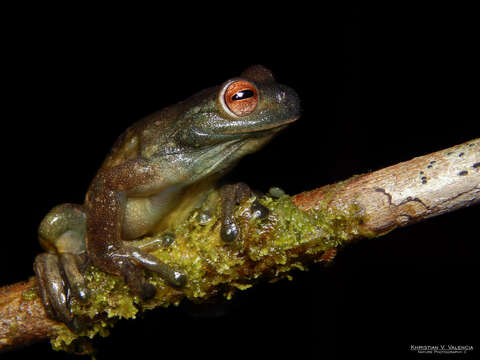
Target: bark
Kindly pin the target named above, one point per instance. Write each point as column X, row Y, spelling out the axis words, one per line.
column 22, row 320
column 396, row 196
column 407, row 192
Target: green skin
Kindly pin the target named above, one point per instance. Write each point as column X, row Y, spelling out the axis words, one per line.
column 157, row 171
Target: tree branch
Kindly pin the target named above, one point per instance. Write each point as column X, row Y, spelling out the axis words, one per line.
column 367, row 205
column 407, row 192
column 22, row 317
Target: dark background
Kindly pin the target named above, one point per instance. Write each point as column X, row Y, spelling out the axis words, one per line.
column 379, row 85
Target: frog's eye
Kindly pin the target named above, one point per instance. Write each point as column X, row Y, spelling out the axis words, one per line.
column 240, row 97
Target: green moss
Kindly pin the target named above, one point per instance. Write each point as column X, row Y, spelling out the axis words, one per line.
column 268, row 248
column 12, row 329
column 29, row 294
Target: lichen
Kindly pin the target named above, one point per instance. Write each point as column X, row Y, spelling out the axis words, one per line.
column 13, row 328
column 29, row 294
column 268, row 248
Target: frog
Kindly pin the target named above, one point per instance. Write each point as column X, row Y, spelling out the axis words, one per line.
column 157, row 171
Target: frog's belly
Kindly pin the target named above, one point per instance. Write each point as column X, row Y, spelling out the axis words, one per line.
column 142, row 214
column 165, row 210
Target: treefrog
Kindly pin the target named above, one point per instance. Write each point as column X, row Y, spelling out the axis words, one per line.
column 157, row 171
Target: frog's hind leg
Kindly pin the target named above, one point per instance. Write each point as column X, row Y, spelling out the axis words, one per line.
column 231, row 195
column 59, row 270
column 52, row 286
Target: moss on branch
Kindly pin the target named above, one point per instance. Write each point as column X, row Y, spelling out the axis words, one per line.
column 268, row 248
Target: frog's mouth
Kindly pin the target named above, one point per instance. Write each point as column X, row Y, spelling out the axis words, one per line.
column 266, row 128
column 281, row 125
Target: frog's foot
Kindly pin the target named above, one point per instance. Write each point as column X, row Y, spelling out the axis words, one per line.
column 58, row 277
column 125, row 262
column 231, row 195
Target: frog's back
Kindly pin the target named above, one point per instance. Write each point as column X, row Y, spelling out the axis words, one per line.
column 137, row 141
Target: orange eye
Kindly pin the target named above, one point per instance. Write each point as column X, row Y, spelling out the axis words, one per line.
column 241, row 97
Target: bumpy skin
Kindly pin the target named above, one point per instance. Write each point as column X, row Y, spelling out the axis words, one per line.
column 157, row 171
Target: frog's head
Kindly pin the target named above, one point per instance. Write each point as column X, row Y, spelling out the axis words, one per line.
column 236, row 118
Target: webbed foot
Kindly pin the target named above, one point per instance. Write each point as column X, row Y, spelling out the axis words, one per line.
column 59, row 276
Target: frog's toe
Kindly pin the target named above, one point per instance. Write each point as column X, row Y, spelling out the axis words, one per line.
column 258, row 210
column 126, row 264
column 172, row 276
column 229, row 230
column 53, row 288
column 58, row 276
column 135, row 279
column 71, row 264
column 231, row 195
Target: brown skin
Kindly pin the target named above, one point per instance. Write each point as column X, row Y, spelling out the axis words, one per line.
column 157, row 171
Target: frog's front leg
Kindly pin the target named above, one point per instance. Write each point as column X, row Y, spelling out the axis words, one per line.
column 231, row 195
column 106, row 207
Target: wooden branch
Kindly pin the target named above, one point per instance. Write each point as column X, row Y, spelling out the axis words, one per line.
column 407, row 192
column 22, row 319
column 396, row 196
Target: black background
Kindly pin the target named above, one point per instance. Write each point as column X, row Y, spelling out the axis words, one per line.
column 379, row 85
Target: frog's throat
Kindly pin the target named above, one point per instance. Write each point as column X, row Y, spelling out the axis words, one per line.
column 219, row 158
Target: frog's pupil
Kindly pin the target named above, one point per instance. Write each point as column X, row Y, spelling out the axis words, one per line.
column 242, row 94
